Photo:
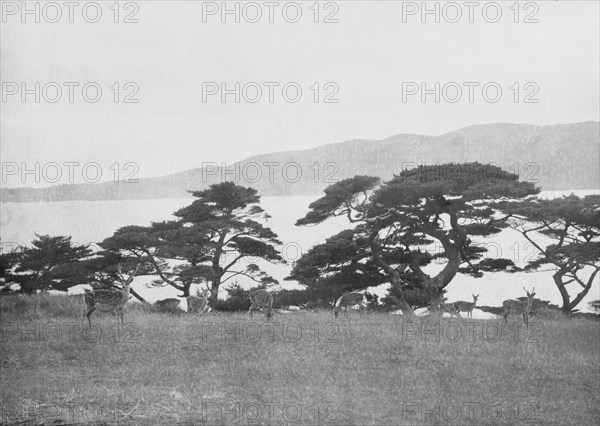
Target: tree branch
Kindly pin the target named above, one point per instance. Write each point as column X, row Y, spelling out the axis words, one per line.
column 240, row 273
column 161, row 275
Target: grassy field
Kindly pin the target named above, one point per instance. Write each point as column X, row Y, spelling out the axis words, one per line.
column 298, row 368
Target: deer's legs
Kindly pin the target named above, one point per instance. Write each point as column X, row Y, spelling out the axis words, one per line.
column 87, row 313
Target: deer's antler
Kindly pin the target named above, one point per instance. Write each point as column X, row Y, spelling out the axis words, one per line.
column 120, row 272
column 132, row 276
column 137, row 268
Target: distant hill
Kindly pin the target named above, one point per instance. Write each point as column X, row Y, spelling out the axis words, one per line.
column 561, row 156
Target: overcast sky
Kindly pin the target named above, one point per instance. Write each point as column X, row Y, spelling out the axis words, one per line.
column 368, row 57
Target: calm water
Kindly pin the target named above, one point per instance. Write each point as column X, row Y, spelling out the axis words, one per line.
column 92, row 221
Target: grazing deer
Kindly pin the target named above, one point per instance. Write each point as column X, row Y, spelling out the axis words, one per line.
column 261, row 299
column 514, row 306
column 168, row 304
column 467, row 307
column 199, row 302
column 107, row 300
column 448, row 308
column 353, row 298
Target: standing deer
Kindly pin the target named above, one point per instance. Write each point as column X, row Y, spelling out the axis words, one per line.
column 106, row 300
column 199, row 302
column 261, row 299
column 514, row 306
column 448, row 308
column 353, row 298
column 467, row 307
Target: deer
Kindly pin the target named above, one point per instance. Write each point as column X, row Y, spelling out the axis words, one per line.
column 199, row 302
column 448, row 308
column 107, row 300
column 515, row 306
column 259, row 300
column 168, row 304
column 352, row 298
column 467, row 307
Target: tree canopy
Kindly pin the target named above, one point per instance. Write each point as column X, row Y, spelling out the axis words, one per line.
column 209, row 241
column 565, row 232
column 394, row 222
column 49, row 263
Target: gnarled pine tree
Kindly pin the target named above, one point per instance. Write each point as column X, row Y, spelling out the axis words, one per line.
column 392, row 221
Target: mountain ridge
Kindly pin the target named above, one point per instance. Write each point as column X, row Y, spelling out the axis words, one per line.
column 557, row 156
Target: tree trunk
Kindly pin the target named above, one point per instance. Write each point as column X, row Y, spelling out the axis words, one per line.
column 435, row 299
column 569, row 306
column 564, row 294
column 402, row 303
column 433, row 286
column 441, row 280
column 137, row 296
column 186, row 288
column 216, row 268
column 215, row 283
column 393, row 274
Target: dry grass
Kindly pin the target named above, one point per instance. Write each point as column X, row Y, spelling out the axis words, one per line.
column 222, row 369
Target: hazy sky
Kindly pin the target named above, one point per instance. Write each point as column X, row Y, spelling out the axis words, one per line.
column 369, row 56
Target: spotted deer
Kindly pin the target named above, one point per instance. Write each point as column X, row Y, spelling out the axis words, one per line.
column 350, row 299
column 199, row 302
column 515, row 306
column 467, row 307
column 261, row 299
column 168, row 305
column 106, row 300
